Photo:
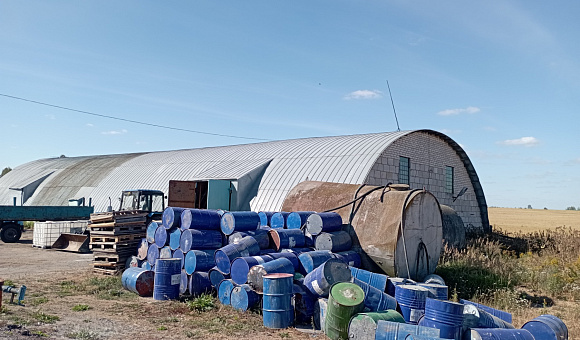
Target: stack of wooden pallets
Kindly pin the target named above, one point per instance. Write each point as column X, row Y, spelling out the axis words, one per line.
column 114, row 237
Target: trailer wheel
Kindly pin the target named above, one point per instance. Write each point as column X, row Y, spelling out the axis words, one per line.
column 10, row 232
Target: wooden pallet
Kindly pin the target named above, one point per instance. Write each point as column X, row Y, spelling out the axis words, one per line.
column 110, row 258
column 98, row 238
column 118, row 230
column 107, row 271
column 130, row 245
column 116, row 215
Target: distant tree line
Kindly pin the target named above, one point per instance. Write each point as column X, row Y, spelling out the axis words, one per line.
column 572, row 208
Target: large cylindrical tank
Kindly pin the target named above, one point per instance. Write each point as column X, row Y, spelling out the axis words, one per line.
column 453, row 228
column 393, row 229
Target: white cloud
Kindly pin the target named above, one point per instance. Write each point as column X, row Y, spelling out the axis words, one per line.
column 364, row 94
column 453, row 112
column 90, row 125
column 114, row 132
column 524, row 141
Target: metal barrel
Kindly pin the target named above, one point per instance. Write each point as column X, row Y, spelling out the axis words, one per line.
column 278, row 220
column 334, row 241
column 265, row 217
column 388, row 330
column 505, row 316
column 286, row 238
column 199, row 283
column 174, row 238
column 411, row 299
column 319, row 281
column 287, row 255
column 320, row 306
column 225, row 255
column 434, row 278
column 142, row 249
column 257, row 273
column 475, row 317
column 277, row 309
column 152, row 254
column 379, row 281
column 363, row 325
column 178, row 254
column 350, row 257
column 547, row 327
column 200, row 239
column 240, row 267
column 239, row 221
column 296, row 251
column 297, row 219
column 165, row 252
column 133, row 261
column 503, row 334
column 200, row 219
column 319, row 222
column 172, row 217
column 260, row 235
column 147, row 265
column 303, row 303
column 138, row 280
column 243, row 297
column 344, row 300
column 221, row 212
column 167, row 279
column 183, row 283
column 199, row 261
column 215, row 276
column 225, row 291
column 312, row 259
column 446, row 316
column 421, row 337
column 151, row 228
column 161, row 236
column 436, row 291
column 376, row 300
column 392, row 282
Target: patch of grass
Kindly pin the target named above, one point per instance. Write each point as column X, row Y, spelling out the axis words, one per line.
column 284, row 335
column 8, row 283
column 69, row 288
column 38, row 301
column 83, row 334
column 39, row 333
column 28, row 225
column 202, row 303
column 192, row 334
column 107, row 288
column 20, row 321
column 162, row 328
column 81, row 308
column 4, row 310
column 45, row 318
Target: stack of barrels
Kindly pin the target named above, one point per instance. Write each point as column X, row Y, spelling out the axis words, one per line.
column 299, row 268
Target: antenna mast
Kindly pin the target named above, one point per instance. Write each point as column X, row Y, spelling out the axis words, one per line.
column 393, row 104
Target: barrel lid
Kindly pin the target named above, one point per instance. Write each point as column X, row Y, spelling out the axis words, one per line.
column 277, row 276
column 347, row 294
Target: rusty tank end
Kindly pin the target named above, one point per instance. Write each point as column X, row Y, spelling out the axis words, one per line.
column 376, row 223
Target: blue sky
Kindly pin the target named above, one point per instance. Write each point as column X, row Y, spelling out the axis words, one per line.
column 502, row 78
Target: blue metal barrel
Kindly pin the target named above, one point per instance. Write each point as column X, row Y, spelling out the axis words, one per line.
column 146, row 265
column 334, row 241
column 312, row 259
column 319, row 318
column 199, row 261
column 446, row 316
column 265, row 217
column 278, row 220
column 392, row 282
column 178, row 254
column 319, row 280
column 243, row 298
column 200, row 219
column 350, row 257
column 225, row 291
column 388, row 330
column 434, row 278
column 174, row 238
column 436, row 291
column 165, row 252
column 287, row 238
column 138, row 280
column 296, row 251
column 323, row 222
column 167, row 279
column 297, row 219
column 277, row 309
column 475, row 317
column 374, row 299
column 240, row 267
column 151, row 228
column 421, row 337
column 260, row 235
column 152, row 254
column 199, row 283
column 161, row 237
column 505, row 316
column 287, row 255
column 200, row 239
column 247, row 246
column 411, row 299
column 183, row 283
column 172, row 217
column 215, row 276
column 303, row 303
column 502, row 334
column 547, row 327
column 239, row 221
column 379, row 281
column 256, row 274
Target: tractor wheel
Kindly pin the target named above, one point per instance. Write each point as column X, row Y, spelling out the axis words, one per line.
column 10, row 232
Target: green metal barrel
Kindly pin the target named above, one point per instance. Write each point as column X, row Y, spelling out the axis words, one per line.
column 345, row 300
column 363, row 325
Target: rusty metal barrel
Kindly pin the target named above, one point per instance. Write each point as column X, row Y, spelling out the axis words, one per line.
column 398, row 231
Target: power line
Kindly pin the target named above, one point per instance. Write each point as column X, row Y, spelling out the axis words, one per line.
column 130, row 120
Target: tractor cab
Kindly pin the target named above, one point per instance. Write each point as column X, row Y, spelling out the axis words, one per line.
column 151, row 201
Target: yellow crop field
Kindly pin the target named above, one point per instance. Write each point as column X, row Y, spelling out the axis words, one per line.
column 513, row 220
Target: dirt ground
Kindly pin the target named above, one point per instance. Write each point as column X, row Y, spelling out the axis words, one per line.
column 59, row 282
